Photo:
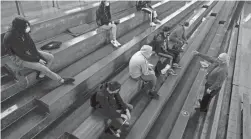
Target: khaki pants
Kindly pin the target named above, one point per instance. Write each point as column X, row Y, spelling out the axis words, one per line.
column 113, row 31
column 38, row 66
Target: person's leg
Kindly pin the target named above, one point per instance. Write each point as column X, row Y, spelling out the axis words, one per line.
column 205, row 99
column 113, row 28
column 42, row 68
column 150, row 12
column 49, row 58
column 152, row 79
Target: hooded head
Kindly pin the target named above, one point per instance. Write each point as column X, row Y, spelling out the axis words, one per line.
column 147, row 51
column 21, row 25
column 166, row 30
column 223, row 57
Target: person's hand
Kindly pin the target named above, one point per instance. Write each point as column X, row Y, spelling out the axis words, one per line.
column 195, row 52
column 209, row 91
column 42, row 62
column 128, row 114
column 124, row 116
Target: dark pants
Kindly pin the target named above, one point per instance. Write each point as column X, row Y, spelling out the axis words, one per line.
column 175, row 53
column 208, row 97
column 116, row 122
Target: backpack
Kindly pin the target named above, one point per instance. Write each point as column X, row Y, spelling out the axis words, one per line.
column 98, row 20
column 93, row 101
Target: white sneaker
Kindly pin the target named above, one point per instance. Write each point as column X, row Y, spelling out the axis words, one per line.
column 41, row 75
column 152, row 24
column 117, row 43
column 114, row 43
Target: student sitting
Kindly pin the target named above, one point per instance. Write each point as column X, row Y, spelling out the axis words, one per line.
column 165, row 60
column 111, row 105
column 178, row 36
column 140, row 68
column 23, row 52
column 146, row 7
column 103, row 18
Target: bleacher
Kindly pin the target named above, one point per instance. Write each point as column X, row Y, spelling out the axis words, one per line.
column 45, row 110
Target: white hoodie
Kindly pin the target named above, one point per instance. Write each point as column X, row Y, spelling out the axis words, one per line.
column 139, row 64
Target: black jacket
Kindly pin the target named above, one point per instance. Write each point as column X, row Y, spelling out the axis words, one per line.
column 143, row 4
column 19, row 43
column 104, row 15
column 109, row 103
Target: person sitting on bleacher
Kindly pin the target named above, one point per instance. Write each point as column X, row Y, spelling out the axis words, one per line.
column 145, row 6
column 178, row 37
column 216, row 74
column 111, row 105
column 165, row 61
column 23, row 52
column 103, row 18
column 141, row 69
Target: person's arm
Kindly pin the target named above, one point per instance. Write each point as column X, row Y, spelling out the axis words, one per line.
column 120, row 101
column 219, row 81
column 145, row 69
column 207, row 58
column 21, row 54
column 173, row 37
column 105, row 105
column 184, row 35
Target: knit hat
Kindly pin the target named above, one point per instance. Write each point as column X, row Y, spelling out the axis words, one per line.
column 146, row 50
column 223, row 57
column 114, row 85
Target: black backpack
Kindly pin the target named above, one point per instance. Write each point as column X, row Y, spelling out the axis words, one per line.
column 93, row 101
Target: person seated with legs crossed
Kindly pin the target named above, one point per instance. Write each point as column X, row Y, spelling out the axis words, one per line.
column 146, row 7
column 110, row 104
column 24, row 54
column 103, row 19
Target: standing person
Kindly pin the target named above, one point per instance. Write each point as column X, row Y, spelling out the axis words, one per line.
column 140, row 68
column 216, row 74
column 103, row 18
column 23, row 52
column 111, row 105
column 178, row 36
column 146, row 7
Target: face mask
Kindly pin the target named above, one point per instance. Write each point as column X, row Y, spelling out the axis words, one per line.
column 28, row 29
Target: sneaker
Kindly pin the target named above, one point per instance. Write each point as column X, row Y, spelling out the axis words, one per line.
column 68, row 80
column 172, row 72
column 126, row 124
column 175, row 65
column 114, row 43
column 117, row 43
column 115, row 133
column 152, row 24
column 154, row 95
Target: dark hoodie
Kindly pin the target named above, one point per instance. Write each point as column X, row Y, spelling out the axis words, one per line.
column 104, row 14
column 110, row 102
column 20, row 43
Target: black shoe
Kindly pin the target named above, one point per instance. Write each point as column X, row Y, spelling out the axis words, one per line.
column 154, row 95
column 68, row 80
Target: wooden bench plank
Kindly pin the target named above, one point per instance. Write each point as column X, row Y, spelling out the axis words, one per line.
column 183, row 117
column 143, row 125
column 246, row 125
